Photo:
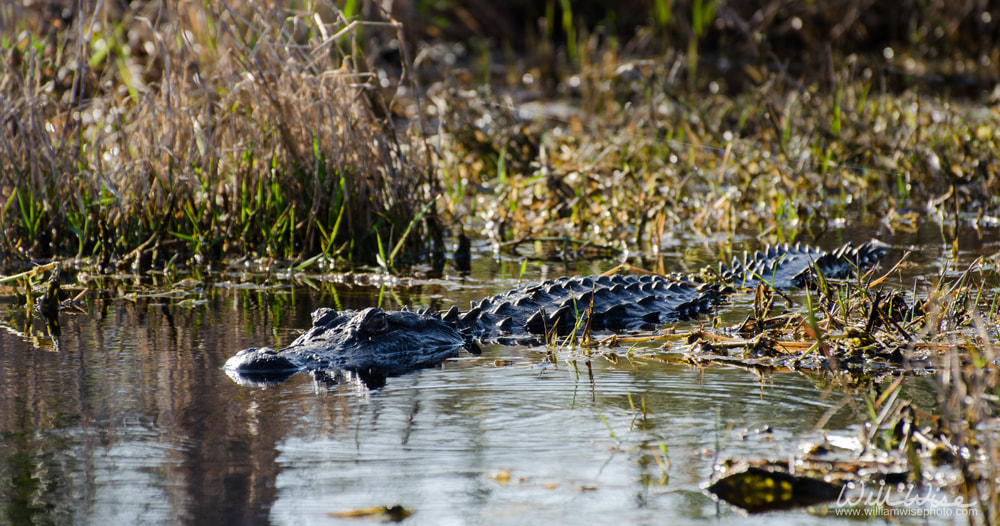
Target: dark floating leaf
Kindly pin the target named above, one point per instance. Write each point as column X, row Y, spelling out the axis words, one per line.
column 757, row 489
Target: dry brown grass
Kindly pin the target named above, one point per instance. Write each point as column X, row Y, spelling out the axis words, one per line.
column 179, row 127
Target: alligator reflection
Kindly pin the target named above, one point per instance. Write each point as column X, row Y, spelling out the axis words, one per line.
column 328, row 378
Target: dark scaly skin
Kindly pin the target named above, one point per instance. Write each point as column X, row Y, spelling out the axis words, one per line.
column 374, row 343
column 786, row 266
column 606, row 303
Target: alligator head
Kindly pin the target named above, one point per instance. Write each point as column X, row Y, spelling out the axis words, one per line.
column 372, row 343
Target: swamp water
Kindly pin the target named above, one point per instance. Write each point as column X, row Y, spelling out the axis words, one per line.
column 130, row 418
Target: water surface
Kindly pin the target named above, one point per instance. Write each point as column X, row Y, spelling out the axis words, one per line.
column 127, row 416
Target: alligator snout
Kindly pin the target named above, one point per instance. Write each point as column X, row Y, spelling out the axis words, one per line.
column 261, row 361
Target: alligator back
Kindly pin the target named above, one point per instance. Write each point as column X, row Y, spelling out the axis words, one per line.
column 613, row 303
column 792, row 266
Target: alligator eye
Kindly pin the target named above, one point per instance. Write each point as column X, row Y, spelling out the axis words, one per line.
column 375, row 323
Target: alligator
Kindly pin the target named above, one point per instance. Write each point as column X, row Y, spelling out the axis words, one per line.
column 374, row 343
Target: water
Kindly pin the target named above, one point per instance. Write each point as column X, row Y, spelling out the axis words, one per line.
column 130, row 419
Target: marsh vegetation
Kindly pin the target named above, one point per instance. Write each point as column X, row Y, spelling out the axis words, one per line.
column 150, row 150
column 186, row 132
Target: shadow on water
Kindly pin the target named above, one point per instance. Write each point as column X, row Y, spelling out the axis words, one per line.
column 133, row 420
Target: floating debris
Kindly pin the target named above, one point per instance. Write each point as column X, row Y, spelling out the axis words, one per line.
column 757, row 489
column 394, row 513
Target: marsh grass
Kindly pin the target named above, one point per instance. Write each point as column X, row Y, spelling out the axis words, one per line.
column 169, row 132
column 782, row 119
column 969, row 382
column 781, row 162
column 959, row 314
column 180, row 128
column 950, row 329
column 947, row 327
column 181, row 131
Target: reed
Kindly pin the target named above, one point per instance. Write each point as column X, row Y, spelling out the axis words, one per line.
column 200, row 130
